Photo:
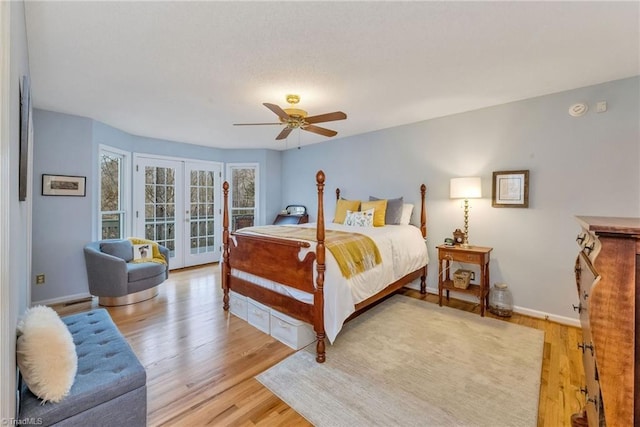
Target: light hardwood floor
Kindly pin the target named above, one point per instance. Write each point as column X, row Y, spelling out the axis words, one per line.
column 201, row 361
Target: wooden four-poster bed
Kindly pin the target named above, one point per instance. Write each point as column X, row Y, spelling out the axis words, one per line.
column 291, row 263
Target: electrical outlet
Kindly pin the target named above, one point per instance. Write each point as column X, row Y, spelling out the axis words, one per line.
column 473, row 275
column 40, row 279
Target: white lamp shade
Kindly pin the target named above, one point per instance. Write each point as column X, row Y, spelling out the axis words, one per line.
column 466, row 188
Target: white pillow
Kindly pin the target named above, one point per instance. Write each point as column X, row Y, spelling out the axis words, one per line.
column 407, row 210
column 46, row 354
column 359, row 219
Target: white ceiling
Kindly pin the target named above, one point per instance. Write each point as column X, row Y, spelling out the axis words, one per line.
column 186, row 71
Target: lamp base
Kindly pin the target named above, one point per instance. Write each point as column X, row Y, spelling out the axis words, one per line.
column 465, row 245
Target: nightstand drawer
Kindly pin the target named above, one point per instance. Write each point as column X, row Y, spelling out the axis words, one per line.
column 462, row 256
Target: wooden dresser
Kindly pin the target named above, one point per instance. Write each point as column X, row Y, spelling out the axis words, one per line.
column 607, row 273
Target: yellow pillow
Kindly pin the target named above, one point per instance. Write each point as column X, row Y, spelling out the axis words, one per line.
column 342, row 207
column 379, row 211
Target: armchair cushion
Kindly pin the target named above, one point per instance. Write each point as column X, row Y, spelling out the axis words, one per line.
column 122, row 249
column 143, row 271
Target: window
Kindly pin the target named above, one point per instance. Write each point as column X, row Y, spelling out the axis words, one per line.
column 243, row 179
column 114, row 184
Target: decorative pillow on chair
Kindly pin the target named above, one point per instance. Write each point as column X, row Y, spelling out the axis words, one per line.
column 359, row 219
column 122, row 249
column 393, row 214
column 379, row 207
column 46, row 354
column 342, row 207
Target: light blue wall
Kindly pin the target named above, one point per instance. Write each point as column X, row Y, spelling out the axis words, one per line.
column 63, row 145
column 586, row 165
column 578, row 166
column 68, row 145
column 16, row 243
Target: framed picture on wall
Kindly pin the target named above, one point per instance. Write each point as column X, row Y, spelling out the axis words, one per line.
column 25, row 120
column 510, row 189
column 63, row 185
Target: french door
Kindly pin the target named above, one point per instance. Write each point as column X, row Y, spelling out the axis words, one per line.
column 177, row 204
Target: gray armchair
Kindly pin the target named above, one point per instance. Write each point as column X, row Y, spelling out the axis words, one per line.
column 115, row 279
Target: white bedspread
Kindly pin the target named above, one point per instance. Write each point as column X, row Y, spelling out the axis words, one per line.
column 402, row 249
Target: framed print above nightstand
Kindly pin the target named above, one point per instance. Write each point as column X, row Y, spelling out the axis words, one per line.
column 510, row 189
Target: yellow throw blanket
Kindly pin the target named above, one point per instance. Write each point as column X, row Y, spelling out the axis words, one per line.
column 354, row 252
column 155, row 251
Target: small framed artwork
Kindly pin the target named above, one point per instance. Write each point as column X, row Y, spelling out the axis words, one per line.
column 63, row 185
column 25, row 121
column 510, row 189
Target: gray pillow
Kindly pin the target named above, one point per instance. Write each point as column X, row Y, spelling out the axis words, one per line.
column 394, row 210
column 119, row 248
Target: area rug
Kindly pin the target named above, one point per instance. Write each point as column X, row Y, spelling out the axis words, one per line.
column 407, row 362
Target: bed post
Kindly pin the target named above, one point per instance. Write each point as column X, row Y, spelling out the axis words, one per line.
column 226, row 270
column 423, row 230
column 337, row 193
column 318, row 297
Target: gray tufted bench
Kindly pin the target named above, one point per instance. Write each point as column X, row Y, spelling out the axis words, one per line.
column 110, row 385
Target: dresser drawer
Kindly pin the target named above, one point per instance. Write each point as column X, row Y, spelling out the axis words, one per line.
column 586, row 278
column 590, row 373
column 589, row 244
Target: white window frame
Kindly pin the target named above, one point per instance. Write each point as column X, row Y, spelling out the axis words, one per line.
column 125, row 190
column 228, row 176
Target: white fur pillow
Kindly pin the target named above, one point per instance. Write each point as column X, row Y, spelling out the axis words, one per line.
column 46, row 354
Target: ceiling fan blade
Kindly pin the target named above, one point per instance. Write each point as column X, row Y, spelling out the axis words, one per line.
column 255, row 124
column 319, row 130
column 285, row 133
column 328, row 117
column 276, row 109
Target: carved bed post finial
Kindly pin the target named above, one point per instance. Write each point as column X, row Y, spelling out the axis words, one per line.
column 423, row 230
column 337, row 194
column 318, row 297
column 226, row 269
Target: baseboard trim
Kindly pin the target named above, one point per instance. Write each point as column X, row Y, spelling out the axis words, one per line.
column 547, row 316
column 63, row 300
column 517, row 309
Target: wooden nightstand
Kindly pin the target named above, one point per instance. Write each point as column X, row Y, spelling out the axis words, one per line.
column 478, row 255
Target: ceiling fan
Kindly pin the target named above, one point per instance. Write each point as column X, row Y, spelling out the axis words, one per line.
column 295, row 118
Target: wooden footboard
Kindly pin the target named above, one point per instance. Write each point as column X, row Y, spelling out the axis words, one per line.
column 278, row 260
column 281, row 261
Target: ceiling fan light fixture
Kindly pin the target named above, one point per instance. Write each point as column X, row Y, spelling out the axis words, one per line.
column 293, row 99
column 296, row 113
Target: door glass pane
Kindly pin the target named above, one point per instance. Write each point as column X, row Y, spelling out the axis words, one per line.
column 202, row 208
column 160, row 206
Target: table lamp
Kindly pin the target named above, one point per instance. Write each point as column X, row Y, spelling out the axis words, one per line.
column 466, row 188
